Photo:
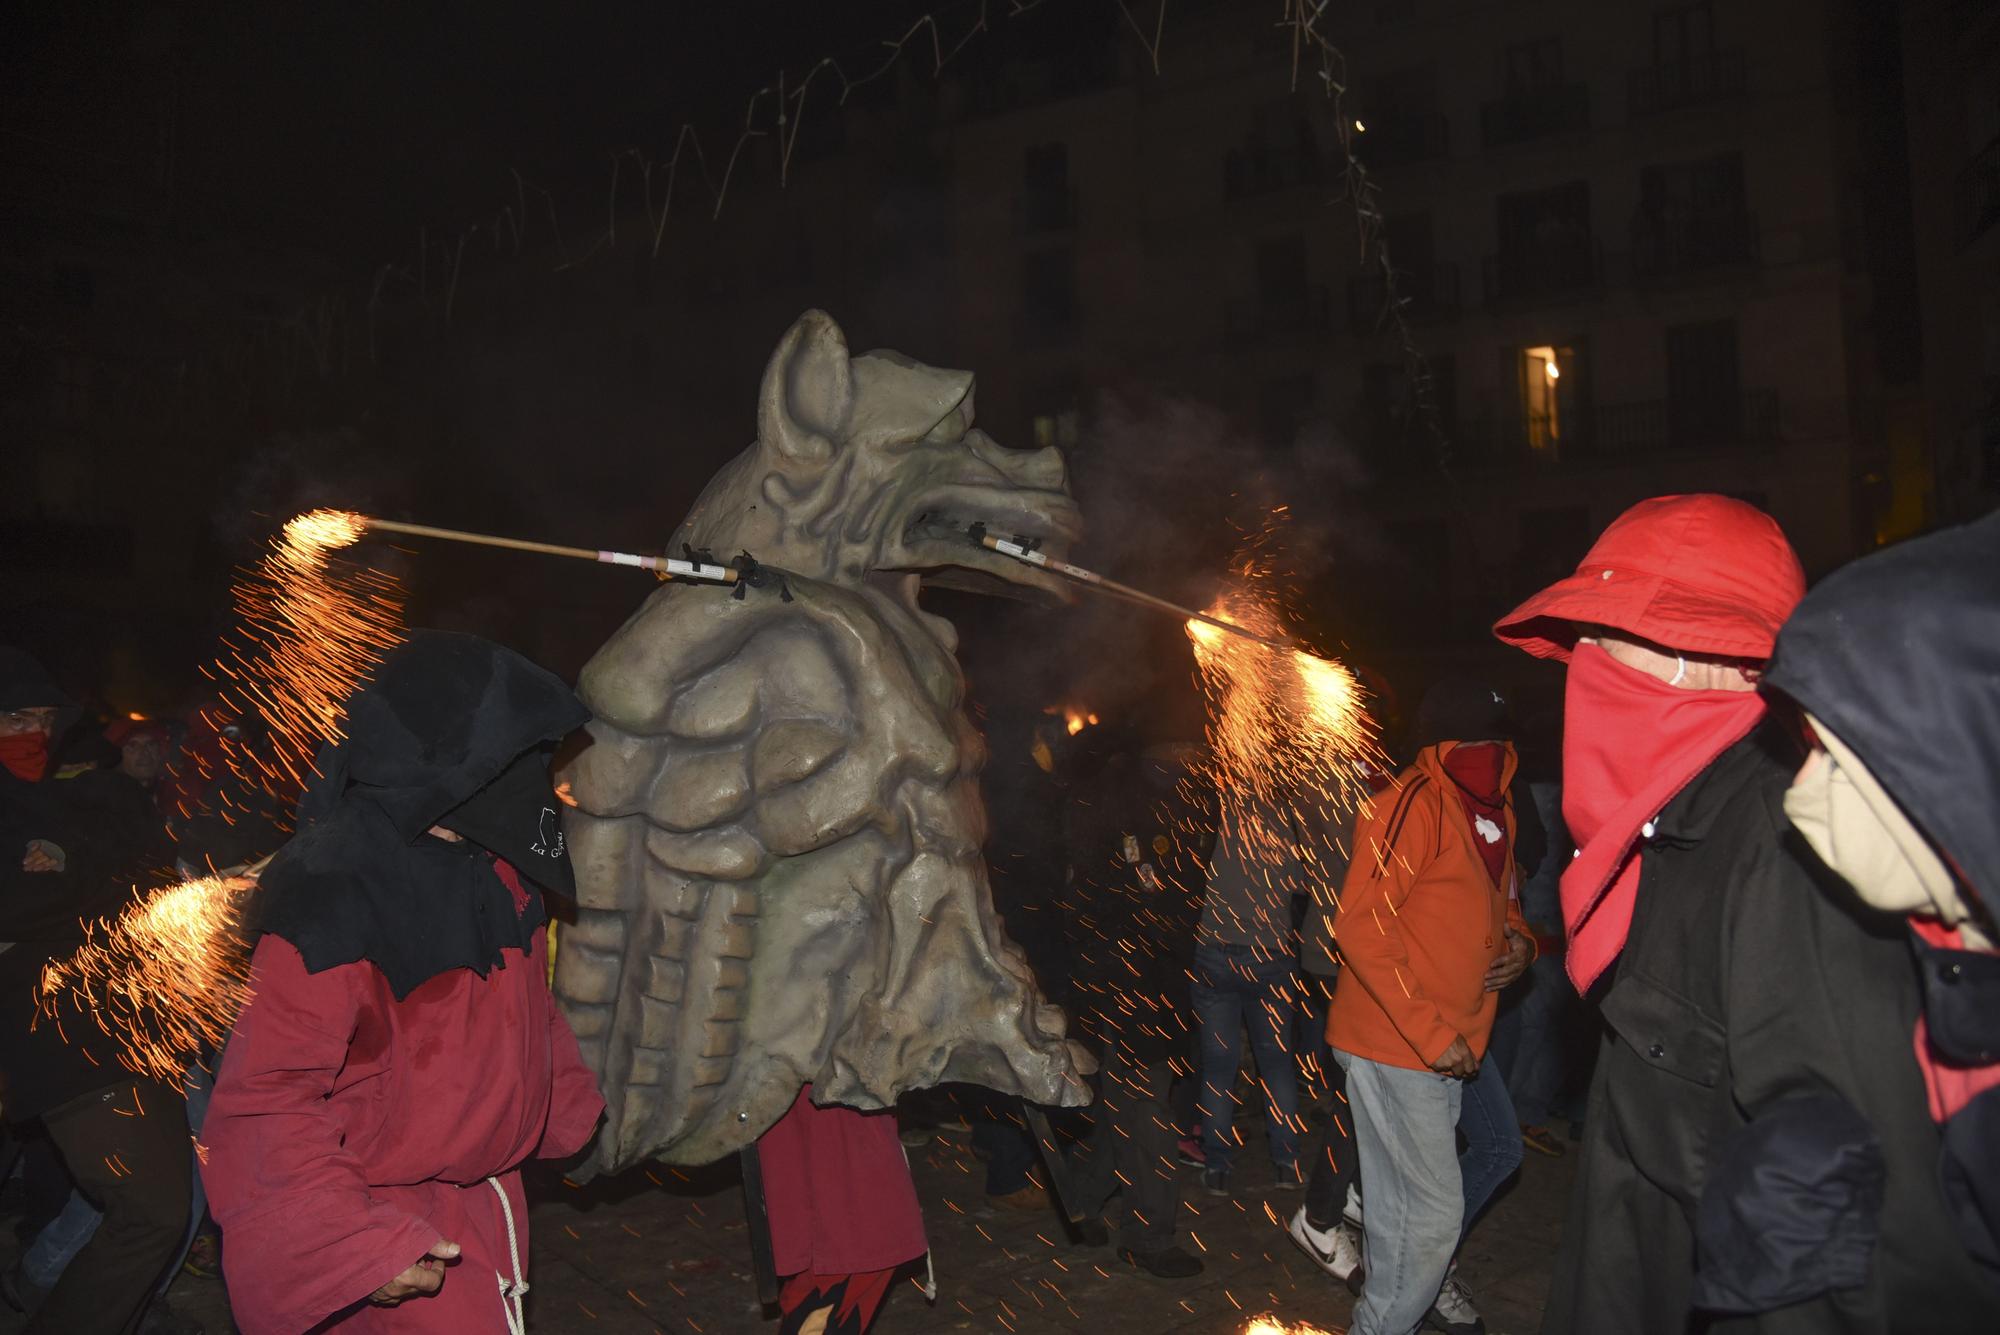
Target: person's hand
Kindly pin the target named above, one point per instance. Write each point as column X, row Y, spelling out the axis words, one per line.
column 426, row 1276
column 1511, row 965
column 1457, row 1060
column 43, row 856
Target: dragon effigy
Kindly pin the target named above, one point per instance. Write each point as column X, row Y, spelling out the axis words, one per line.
column 777, row 825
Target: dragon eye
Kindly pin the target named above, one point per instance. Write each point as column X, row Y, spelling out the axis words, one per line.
column 949, row 430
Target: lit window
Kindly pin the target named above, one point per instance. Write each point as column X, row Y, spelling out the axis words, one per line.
column 1541, row 398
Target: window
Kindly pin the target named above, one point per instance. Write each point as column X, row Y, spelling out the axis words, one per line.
column 1542, row 222
column 1554, row 420
column 76, row 285
column 1533, row 66
column 1047, row 200
column 1683, row 34
column 1702, row 187
column 1045, row 169
column 1048, row 288
column 1056, row 429
column 1443, row 370
column 1552, row 541
column 1282, row 406
column 1281, row 269
column 1546, row 246
column 1704, row 389
column 69, row 388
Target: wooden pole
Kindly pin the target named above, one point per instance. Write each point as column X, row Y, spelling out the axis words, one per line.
column 663, row 565
column 1091, row 579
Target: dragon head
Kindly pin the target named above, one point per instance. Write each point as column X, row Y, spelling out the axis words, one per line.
column 872, row 465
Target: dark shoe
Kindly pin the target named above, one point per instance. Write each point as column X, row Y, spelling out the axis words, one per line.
column 1286, row 1177
column 1093, row 1233
column 1192, row 1154
column 18, row 1292
column 162, row 1319
column 1215, row 1180
column 1166, row 1263
column 1030, row 1197
column 1543, row 1141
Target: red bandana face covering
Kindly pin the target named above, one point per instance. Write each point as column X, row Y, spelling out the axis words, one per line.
column 1630, row 743
column 26, row 755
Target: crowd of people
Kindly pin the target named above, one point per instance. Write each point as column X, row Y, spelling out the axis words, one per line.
column 1738, row 888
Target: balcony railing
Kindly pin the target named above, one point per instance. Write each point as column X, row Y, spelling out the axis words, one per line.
column 1608, row 432
column 1535, row 113
column 1247, row 172
column 1979, row 194
column 1399, row 139
column 1046, row 210
column 1429, row 293
column 1301, row 310
column 1670, row 85
column 1542, row 273
column 1665, row 245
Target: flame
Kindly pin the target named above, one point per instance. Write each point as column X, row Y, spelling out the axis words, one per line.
column 1270, row 1325
column 565, row 793
column 165, row 978
column 1076, row 720
column 1288, row 732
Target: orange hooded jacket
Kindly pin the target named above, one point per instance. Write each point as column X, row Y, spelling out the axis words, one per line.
column 1419, row 922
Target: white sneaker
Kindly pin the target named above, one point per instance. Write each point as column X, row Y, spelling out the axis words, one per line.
column 1336, row 1251
column 1453, row 1311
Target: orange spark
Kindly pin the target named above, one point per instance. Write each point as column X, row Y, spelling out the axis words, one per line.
column 1288, row 732
column 165, row 978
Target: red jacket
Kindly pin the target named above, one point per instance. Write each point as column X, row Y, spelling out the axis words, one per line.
column 349, row 1131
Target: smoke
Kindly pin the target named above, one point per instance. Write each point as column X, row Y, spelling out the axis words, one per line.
column 295, row 472
column 1174, row 492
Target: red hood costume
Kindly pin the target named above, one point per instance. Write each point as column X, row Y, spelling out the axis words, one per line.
column 402, row 1056
column 1695, row 574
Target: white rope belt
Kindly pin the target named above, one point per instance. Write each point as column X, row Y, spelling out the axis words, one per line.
column 511, row 1294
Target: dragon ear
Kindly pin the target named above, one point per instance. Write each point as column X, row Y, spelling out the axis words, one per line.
column 808, row 390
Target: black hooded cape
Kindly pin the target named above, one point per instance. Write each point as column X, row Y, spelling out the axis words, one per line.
column 1899, row 655
column 456, row 732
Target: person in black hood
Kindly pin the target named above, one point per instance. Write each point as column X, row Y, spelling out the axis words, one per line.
column 70, row 848
column 1896, row 661
column 402, row 1057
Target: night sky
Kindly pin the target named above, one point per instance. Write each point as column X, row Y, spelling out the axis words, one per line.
column 346, row 127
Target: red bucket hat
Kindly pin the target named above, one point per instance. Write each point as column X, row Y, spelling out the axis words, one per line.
column 1702, row 574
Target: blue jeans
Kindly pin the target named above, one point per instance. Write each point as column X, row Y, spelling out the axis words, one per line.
column 1535, row 1043
column 1237, row 987
column 60, row 1240
column 1403, row 1123
column 1000, row 1132
column 1492, row 1140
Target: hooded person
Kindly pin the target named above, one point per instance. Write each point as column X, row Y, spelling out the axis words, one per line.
column 71, row 846
column 1429, row 928
column 402, row 1057
column 1896, row 661
column 1758, row 1155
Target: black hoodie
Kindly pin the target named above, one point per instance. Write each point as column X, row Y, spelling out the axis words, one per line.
column 453, row 731
column 110, row 839
column 1898, row 655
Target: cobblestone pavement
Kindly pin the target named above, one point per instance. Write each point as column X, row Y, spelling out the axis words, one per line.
column 664, row 1251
